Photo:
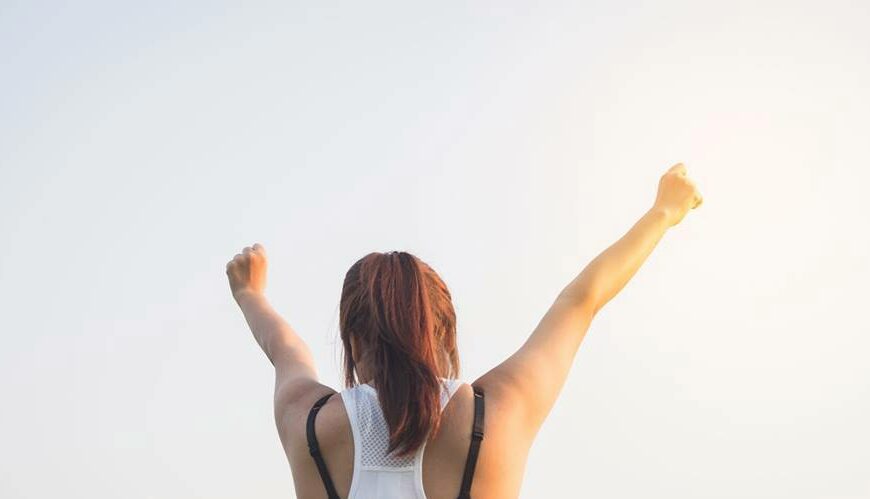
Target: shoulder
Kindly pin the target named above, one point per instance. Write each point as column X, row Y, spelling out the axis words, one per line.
column 334, row 437
column 292, row 406
column 501, row 461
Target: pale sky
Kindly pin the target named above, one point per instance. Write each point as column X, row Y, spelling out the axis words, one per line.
column 506, row 144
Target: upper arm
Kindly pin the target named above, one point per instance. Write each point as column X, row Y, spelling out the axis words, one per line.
column 297, row 386
column 529, row 381
column 294, row 364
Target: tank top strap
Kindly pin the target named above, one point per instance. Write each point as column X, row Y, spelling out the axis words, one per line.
column 450, row 387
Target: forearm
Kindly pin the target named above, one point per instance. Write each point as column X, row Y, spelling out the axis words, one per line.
column 610, row 271
column 274, row 335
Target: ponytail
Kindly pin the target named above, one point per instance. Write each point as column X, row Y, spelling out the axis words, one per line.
column 399, row 314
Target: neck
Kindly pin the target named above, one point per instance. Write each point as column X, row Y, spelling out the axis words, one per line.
column 363, row 373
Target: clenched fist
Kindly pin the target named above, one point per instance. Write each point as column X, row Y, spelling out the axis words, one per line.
column 677, row 194
column 247, row 271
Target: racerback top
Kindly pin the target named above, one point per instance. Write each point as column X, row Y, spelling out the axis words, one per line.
column 377, row 474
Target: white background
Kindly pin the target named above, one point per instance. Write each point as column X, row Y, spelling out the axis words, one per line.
column 143, row 145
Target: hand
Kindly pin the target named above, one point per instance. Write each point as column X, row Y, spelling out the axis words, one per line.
column 247, row 271
column 677, row 194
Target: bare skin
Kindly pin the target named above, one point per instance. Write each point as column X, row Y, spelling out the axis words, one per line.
column 520, row 391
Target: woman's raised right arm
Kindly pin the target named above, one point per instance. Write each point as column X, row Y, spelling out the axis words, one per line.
column 530, row 380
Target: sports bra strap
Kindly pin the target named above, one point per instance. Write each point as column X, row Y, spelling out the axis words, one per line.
column 474, row 447
column 314, row 447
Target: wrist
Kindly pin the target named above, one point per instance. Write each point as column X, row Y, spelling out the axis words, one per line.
column 245, row 296
column 661, row 214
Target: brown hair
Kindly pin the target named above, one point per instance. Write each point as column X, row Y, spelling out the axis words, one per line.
column 398, row 314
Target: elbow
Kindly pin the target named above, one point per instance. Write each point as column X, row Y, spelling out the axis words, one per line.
column 585, row 297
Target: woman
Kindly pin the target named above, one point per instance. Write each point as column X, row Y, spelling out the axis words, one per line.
column 405, row 426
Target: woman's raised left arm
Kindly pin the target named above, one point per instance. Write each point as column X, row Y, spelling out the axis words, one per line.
column 296, row 376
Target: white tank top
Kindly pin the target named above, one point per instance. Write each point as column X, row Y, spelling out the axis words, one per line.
column 376, row 474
